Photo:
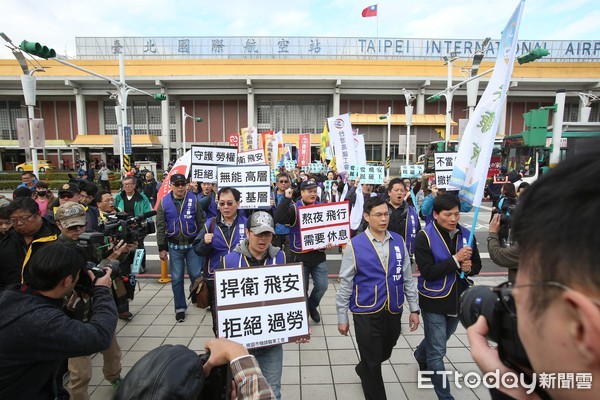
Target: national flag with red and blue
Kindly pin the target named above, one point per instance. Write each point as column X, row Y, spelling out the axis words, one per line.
column 370, row 11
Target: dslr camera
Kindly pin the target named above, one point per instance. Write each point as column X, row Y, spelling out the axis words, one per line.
column 88, row 242
column 498, row 308
column 121, row 226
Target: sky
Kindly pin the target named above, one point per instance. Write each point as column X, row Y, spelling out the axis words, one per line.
column 56, row 23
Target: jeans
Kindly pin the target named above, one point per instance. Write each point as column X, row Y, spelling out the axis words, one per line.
column 320, row 282
column 178, row 259
column 432, row 350
column 270, row 361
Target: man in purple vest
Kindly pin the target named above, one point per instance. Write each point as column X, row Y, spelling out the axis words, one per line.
column 315, row 262
column 219, row 238
column 207, row 198
column 179, row 219
column 257, row 250
column 404, row 219
column 444, row 260
column 375, row 276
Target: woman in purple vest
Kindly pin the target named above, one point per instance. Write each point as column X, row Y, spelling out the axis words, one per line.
column 219, row 238
column 444, row 260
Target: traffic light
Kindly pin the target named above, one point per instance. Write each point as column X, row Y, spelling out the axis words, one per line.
column 36, row 49
column 533, row 55
column 536, row 127
column 198, row 119
column 433, row 99
column 159, row 96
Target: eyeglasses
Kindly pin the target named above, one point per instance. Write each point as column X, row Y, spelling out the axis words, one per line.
column 179, row 184
column 381, row 215
column 128, row 184
column 283, row 181
column 109, row 200
column 76, row 227
column 505, row 292
column 22, row 219
column 66, row 196
column 228, row 203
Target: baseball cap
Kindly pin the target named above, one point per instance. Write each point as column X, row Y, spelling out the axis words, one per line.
column 70, row 187
column 178, row 178
column 260, row 222
column 308, row 184
column 70, row 214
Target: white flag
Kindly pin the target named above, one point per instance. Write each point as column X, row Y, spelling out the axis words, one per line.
column 475, row 149
column 341, row 139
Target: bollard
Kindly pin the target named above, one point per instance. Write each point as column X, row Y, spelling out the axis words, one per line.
column 164, row 272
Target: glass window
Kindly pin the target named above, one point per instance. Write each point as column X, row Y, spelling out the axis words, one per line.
column 291, row 116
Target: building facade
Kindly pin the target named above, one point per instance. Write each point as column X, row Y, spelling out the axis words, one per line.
column 273, row 83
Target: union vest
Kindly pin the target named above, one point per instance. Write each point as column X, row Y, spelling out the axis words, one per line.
column 211, row 211
column 376, row 287
column 440, row 287
column 238, row 260
column 183, row 221
column 295, row 239
column 220, row 246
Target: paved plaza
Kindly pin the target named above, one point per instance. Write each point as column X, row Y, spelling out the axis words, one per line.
column 321, row 369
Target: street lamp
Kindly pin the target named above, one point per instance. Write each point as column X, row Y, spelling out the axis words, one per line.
column 408, row 111
column 449, row 94
column 388, row 116
column 183, row 117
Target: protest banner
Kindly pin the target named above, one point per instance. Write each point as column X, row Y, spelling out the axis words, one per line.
column 261, row 306
column 321, row 224
column 368, row 174
column 205, row 158
column 444, row 163
column 252, row 157
column 411, row 171
column 342, row 140
column 303, row 156
column 253, row 182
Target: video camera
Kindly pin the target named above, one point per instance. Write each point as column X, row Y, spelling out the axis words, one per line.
column 121, row 226
column 498, row 309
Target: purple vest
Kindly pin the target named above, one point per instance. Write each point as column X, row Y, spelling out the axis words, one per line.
column 237, row 260
column 295, row 242
column 211, row 211
column 410, row 233
column 220, row 246
column 183, row 221
column 376, row 287
column 440, row 287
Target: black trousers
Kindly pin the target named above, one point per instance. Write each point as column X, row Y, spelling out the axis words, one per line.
column 376, row 336
column 283, row 241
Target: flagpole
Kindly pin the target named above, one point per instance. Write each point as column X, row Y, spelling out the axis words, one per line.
column 471, row 234
column 377, row 16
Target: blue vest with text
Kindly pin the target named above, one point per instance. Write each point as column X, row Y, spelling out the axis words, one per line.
column 412, row 220
column 440, row 287
column 183, row 221
column 220, row 246
column 237, row 260
column 295, row 238
column 376, row 286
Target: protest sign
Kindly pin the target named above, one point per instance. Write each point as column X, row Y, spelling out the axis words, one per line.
column 321, row 224
column 444, row 163
column 252, row 157
column 368, row 174
column 253, row 182
column 261, row 306
column 205, row 158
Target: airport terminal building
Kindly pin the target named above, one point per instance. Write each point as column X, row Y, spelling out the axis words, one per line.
column 276, row 83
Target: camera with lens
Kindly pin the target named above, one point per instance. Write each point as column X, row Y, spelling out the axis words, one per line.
column 121, row 226
column 217, row 384
column 498, row 308
column 89, row 243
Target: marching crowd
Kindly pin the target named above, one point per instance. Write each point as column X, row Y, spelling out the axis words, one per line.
column 397, row 227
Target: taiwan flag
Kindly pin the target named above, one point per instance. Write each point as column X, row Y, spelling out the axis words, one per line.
column 370, row 11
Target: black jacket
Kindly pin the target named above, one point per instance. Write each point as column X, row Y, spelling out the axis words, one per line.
column 431, row 270
column 36, row 335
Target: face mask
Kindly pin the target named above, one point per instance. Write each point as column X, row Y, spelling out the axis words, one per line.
column 41, row 194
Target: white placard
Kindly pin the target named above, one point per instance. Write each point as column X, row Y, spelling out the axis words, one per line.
column 204, row 173
column 442, row 180
column 252, row 157
column 261, row 306
column 444, row 161
column 368, row 174
column 255, row 197
column 324, row 223
column 411, row 171
column 214, row 155
column 257, row 175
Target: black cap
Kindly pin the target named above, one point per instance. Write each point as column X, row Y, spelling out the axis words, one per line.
column 178, row 178
column 308, row 184
column 70, row 187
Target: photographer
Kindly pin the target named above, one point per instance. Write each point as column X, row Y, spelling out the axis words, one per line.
column 36, row 334
column 507, row 257
column 71, row 220
column 555, row 302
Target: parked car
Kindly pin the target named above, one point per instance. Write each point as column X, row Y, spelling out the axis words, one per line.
column 43, row 166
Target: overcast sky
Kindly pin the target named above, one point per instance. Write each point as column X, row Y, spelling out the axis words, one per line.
column 56, row 23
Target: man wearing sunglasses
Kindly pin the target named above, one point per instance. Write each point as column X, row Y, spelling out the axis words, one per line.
column 30, row 233
column 281, row 238
column 67, row 192
column 557, row 290
column 179, row 219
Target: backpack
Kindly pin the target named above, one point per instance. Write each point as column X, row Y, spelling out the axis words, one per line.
column 169, row 372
